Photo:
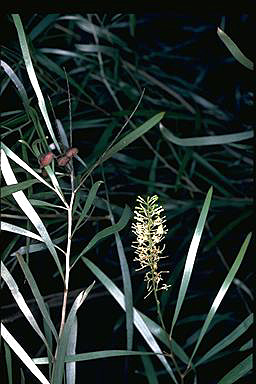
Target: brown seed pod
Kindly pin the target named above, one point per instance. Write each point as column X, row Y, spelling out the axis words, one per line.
column 71, row 152
column 46, row 159
column 62, row 161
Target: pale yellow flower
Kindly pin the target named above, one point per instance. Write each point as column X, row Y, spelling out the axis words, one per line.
column 150, row 230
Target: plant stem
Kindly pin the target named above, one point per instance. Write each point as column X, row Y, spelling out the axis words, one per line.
column 65, row 294
column 158, row 306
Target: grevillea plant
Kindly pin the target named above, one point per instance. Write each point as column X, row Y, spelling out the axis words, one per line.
column 52, row 189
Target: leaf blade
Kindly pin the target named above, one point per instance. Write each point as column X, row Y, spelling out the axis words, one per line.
column 191, row 257
column 138, row 321
column 134, row 135
column 235, row 50
column 27, row 208
column 22, row 354
column 222, row 291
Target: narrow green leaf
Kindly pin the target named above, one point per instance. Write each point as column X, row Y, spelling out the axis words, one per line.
column 52, row 66
column 8, row 359
column 89, row 201
column 7, row 251
column 62, row 134
column 48, row 335
column 36, row 247
column 226, row 341
column 107, row 232
column 191, row 257
column 21, row 231
column 18, row 84
column 58, row 369
column 201, row 160
column 132, row 136
column 127, row 291
column 37, row 295
column 41, row 203
column 93, row 48
column 248, row 345
column 103, row 141
column 32, row 76
column 149, row 368
column 23, row 165
column 20, row 352
column 235, row 51
column 14, row 289
column 62, row 52
column 138, row 321
column 71, row 350
column 238, row 371
column 95, row 355
column 206, row 140
column 223, row 289
column 89, row 27
column 27, row 208
column 43, row 25
column 210, row 181
column 9, row 189
column 126, row 284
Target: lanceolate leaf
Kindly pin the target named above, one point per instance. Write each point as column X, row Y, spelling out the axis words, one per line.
column 21, row 231
column 17, row 348
column 24, row 165
column 107, row 231
column 27, row 208
column 9, row 280
column 21, row 89
column 94, row 355
column 126, row 284
column 32, row 76
column 223, row 289
column 230, row 338
column 191, row 257
column 89, row 202
column 71, row 350
column 235, row 51
column 58, row 370
column 138, row 321
column 238, row 371
column 134, row 135
column 37, row 295
column 9, row 189
column 206, row 140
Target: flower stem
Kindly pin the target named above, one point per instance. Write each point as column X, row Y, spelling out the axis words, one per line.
column 158, row 307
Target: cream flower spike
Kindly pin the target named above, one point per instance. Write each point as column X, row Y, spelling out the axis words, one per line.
column 150, row 230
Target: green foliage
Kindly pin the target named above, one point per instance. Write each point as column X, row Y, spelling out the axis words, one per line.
column 79, row 83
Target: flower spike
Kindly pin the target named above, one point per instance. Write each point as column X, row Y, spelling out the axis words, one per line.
column 150, row 230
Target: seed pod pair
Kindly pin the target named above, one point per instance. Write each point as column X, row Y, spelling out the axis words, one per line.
column 64, row 160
